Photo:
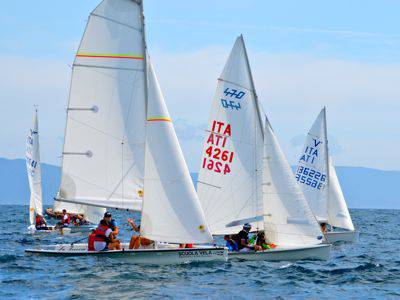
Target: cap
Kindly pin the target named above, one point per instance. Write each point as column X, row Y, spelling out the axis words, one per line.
column 107, row 214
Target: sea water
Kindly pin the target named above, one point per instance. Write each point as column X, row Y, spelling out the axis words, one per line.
column 368, row 268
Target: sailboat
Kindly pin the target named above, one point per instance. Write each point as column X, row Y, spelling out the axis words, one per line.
column 244, row 176
column 317, row 177
column 121, row 150
column 34, row 172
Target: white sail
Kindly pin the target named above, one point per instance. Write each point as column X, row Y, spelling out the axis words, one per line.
column 171, row 209
column 103, row 152
column 312, row 169
column 288, row 219
column 229, row 183
column 34, row 171
column 338, row 212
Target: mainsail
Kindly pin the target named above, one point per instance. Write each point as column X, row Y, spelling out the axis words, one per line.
column 312, row 170
column 34, row 170
column 338, row 212
column 171, row 209
column 317, row 177
column 229, row 183
column 288, row 220
column 103, row 155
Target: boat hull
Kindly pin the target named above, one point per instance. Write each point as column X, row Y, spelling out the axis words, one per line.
column 341, row 236
column 162, row 256
column 314, row 252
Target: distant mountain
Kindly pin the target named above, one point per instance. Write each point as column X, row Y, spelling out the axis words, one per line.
column 363, row 187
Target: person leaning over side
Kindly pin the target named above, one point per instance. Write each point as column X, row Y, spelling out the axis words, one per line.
column 137, row 240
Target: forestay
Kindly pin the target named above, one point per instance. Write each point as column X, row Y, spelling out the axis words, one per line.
column 312, row 169
column 34, row 170
column 338, row 212
column 171, row 209
column 288, row 219
column 103, row 153
column 229, row 183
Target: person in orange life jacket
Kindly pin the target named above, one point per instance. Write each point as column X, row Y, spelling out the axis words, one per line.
column 40, row 223
column 111, row 222
column 137, row 240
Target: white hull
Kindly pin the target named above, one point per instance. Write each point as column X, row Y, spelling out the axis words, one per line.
column 62, row 231
column 165, row 254
column 315, row 252
column 341, row 236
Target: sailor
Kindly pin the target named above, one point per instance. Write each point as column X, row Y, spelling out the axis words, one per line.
column 102, row 236
column 323, row 228
column 137, row 240
column 111, row 222
column 40, row 223
column 231, row 244
column 242, row 239
column 65, row 220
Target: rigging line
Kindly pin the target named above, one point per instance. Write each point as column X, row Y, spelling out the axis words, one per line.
column 115, row 21
column 121, row 181
column 116, row 78
column 100, row 131
column 239, row 85
column 107, row 67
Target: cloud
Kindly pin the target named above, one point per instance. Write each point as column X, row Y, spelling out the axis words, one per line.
column 362, row 100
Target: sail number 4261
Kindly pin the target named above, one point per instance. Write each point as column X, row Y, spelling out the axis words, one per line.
column 213, row 162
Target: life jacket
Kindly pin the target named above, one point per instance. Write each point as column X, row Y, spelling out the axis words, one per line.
column 100, row 234
column 68, row 219
column 38, row 221
column 91, row 241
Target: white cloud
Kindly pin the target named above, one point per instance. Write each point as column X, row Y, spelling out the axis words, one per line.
column 362, row 100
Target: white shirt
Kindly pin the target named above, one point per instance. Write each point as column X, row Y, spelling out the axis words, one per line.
column 98, row 246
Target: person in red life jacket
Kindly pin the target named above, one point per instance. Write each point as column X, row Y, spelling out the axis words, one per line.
column 137, row 240
column 91, row 240
column 111, row 223
column 101, row 237
column 40, row 223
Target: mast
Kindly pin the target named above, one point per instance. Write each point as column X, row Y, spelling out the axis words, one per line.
column 256, row 170
column 253, row 87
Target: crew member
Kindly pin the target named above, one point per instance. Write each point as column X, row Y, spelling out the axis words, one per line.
column 137, row 240
column 40, row 223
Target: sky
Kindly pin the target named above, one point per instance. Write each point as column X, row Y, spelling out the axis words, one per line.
column 304, row 55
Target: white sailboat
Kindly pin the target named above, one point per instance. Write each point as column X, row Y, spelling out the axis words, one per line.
column 244, row 176
column 317, row 177
column 34, row 172
column 121, row 147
